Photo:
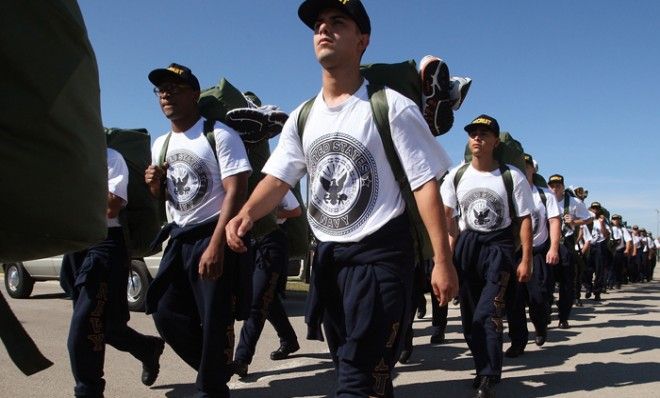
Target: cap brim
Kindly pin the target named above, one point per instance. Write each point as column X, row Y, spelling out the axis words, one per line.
column 159, row 76
column 473, row 126
column 309, row 11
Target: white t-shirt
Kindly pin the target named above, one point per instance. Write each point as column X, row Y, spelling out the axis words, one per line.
column 586, row 237
column 483, row 200
column 597, row 235
column 622, row 235
column 117, row 180
column 352, row 188
column 288, row 203
column 542, row 213
column 194, row 176
column 576, row 209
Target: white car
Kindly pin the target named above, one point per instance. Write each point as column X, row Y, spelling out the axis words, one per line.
column 21, row 276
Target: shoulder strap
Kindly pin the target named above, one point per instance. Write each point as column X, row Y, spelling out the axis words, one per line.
column 163, row 149
column 459, row 174
column 567, row 203
column 508, row 185
column 457, row 178
column 210, row 136
column 380, row 111
column 302, row 116
column 208, row 133
column 544, row 200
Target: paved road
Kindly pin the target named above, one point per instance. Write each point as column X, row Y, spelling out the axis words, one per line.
column 612, row 350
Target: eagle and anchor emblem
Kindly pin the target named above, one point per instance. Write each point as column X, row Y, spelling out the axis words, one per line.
column 483, row 210
column 188, row 180
column 343, row 184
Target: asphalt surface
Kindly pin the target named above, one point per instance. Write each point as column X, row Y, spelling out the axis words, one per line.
column 611, row 350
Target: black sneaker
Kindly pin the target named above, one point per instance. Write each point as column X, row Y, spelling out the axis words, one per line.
column 151, row 366
column 239, row 368
column 407, row 348
column 256, row 124
column 541, row 336
column 485, row 388
column 436, row 88
column 514, row 351
column 438, row 337
column 284, row 351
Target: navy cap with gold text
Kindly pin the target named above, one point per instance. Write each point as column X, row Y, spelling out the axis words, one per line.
column 309, row 11
column 174, row 72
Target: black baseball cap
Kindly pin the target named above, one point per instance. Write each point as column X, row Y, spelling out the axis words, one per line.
column 556, row 178
column 595, row 205
column 174, row 72
column 529, row 159
column 486, row 121
column 616, row 216
column 309, row 10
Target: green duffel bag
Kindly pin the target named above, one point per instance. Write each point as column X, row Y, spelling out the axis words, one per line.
column 140, row 217
column 54, row 171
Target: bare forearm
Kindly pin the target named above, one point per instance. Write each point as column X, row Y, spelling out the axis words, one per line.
column 115, row 204
column 266, row 197
column 526, row 239
column 555, row 233
column 235, row 195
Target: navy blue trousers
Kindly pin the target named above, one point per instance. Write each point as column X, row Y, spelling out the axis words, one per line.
column 644, row 269
column 618, row 264
column 634, row 263
column 271, row 262
column 196, row 317
column 362, row 292
column 594, row 276
column 565, row 276
column 100, row 311
column 484, row 263
column 535, row 295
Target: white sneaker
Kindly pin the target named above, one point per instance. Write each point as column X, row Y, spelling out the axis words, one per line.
column 459, row 90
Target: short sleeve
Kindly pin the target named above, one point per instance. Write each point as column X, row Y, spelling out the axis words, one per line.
column 421, row 155
column 522, row 193
column 287, row 162
column 117, row 175
column 232, row 156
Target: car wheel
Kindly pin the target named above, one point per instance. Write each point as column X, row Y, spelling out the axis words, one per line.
column 18, row 282
column 138, row 282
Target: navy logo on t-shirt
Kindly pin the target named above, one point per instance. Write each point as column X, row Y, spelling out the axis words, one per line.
column 343, row 186
column 483, row 210
column 188, row 180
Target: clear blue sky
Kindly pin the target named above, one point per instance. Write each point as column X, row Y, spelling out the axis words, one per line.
column 575, row 81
